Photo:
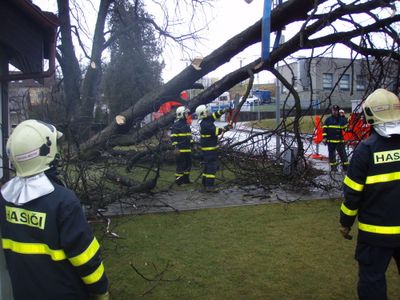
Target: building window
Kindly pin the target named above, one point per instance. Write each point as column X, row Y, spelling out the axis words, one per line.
column 327, row 81
column 344, row 83
column 360, row 82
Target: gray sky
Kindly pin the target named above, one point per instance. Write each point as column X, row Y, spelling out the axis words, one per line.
column 226, row 19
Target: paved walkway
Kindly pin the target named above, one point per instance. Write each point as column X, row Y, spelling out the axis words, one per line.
column 189, row 198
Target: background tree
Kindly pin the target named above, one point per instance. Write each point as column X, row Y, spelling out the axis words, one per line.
column 134, row 68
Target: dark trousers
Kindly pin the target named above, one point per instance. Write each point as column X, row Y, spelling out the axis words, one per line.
column 183, row 167
column 340, row 148
column 372, row 265
column 210, row 161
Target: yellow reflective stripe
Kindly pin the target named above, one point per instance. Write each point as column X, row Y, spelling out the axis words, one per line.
column 379, row 229
column 175, row 143
column 86, row 255
column 185, row 150
column 33, row 248
column 205, row 135
column 217, row 115
column 335, row 141
column 209, row 175
column 182, row 134
column 347, row 211
column 178, row 174
column 208, row 148
column 95, row 276
column 186, row 173
column 217, row 131
column 324, row 134
column 334, row 126
column 353, row 185
column 382, row 178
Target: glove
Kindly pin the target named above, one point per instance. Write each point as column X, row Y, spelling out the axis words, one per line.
column 345, row 232
column 226, row 110
column 105, row 296
column 227, row 127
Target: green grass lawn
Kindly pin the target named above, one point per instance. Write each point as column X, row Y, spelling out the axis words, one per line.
column 275, row 251
column 306, row 124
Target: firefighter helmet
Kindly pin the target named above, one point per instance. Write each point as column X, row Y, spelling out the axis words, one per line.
column 202, row 111
column 32, row 147
column 382, row 110
column 181, row 112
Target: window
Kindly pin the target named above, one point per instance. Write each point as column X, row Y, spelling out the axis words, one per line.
column 327, row 81
column 360, row 82
column 344, row 83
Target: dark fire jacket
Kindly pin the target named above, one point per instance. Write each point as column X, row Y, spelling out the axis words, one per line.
column 181, row 135
column 209, row 132
column 50, row 250
column 372, row 191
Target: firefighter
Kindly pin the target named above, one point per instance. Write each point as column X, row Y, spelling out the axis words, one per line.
column 181, row 136
column 372, row 193
column 209, row 144
column 333, row 136
column 49, row 248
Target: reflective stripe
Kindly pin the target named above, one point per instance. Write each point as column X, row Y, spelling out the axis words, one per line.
column 347, row 211
column 95, row 276
column 86, row 255
column 335, row 141
column 186, row 173
column 217, row 130
column 379, row 229
column 209, row 148
column 33, row 248
column 185, row 150
column 205, row 135
column 383, row 178
column 353, row 185
column 209, row 175
column 333, row 164
column 179, row 174
column 346, row 163
column 175, row 143
column 217, row 114
column 335, row 126
column 182, row 134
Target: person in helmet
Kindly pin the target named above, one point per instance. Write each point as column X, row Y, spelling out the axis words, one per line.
column 372, row 194
column 209, row 144
column 181, row 136
column 332, row 134
column 50, row 251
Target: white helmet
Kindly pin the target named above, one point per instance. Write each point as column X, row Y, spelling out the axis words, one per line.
column 32, row 147
column 181, row 111
column 382, row 110
column 202, row 111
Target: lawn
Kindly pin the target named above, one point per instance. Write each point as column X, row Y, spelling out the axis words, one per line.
column 275, row 251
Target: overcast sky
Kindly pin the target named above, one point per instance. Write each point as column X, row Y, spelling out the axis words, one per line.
column 225, row 19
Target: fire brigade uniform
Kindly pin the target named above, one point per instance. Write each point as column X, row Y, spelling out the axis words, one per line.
column 332, row 132
column 372, row 194
column 209, row 145
column 49, row 248
column 181, row 136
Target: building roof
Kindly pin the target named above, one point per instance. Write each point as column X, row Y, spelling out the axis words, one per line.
column 28, row 35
